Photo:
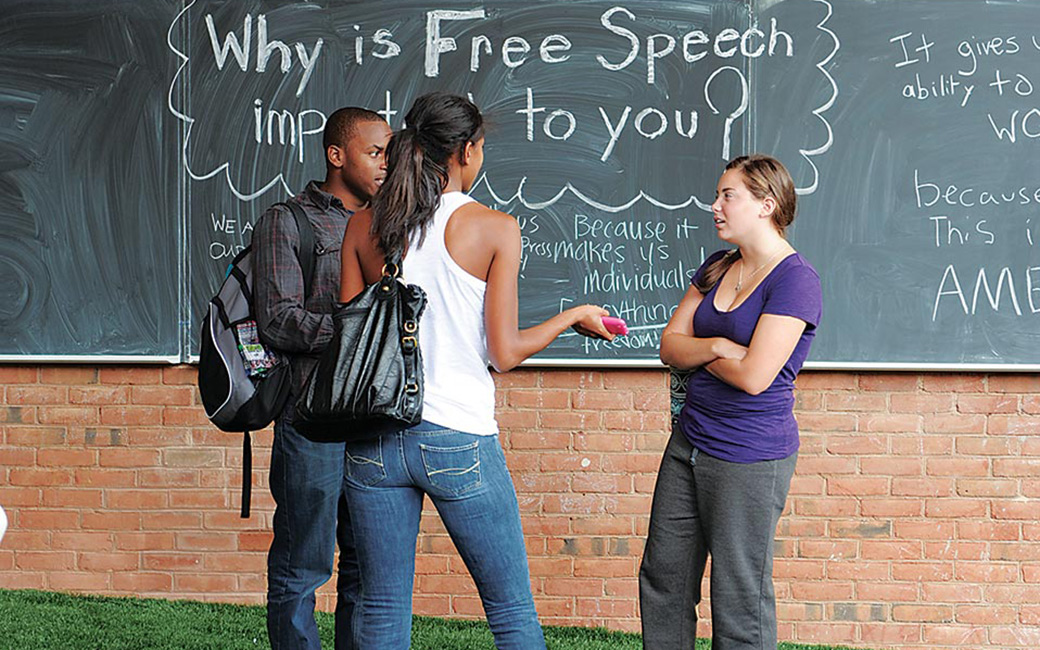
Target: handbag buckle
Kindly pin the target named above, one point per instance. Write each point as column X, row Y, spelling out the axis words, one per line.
column 409, row 343
column 410, row 326
column 411, row 388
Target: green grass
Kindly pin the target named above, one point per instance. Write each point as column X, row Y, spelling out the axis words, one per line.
column 37, row 620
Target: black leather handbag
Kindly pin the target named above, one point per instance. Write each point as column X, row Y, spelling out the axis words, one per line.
column 369, row 380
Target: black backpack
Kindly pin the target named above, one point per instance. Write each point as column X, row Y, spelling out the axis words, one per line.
column 236, row 397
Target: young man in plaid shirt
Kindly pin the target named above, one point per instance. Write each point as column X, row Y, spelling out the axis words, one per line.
column 307, row 477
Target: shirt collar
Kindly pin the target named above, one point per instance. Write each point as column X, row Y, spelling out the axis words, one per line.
column 322, row 199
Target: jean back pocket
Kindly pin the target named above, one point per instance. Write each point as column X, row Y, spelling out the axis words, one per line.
column 365, row 462
column 452, row 470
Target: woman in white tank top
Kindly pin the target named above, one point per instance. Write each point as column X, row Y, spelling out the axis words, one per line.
column 467, row 259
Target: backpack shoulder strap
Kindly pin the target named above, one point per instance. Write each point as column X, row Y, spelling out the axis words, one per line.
column 303, row 224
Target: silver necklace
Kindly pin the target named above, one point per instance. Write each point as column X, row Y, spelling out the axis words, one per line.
column 740, row 271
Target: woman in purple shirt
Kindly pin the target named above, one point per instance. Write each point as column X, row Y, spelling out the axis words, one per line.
column 745, row 325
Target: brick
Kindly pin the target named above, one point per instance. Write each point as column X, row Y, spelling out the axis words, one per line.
column 954, row 423
column 857, row 445
column 888, row 382
column 1014, row 383
column 100, row 562
column 1015, row 636
column 922, row 613
column 519, row 378
column 137, row 583
column 929, row 487
column 79, row 581
column 94, row 477
column 182, row 416
column 955, row 508
column 987, row 572
column 126, row 457
column 182, row 375
column 78, row 498
column 827, row 549
column 929, row 445
column 12, row 496
column 585, row 379
column 856, row 402
column 950, row 593
column 19, row 375
column 957, row 467
column 825, row 465
column 890, row 635
column 826, row 422
column 603, row 400
column 826, row 380
column 34, row 395
column 99, row 395
column 569, row 420
column 630, row 378
column 68, row 415
column 901, row 507
column 66, row 457
column 900, row 549
column 950, row 550
column 988, row 446
column 192, row 458
column 1015, row 425
column 205, row 583
column 921, row 403
column 986, row 487
column 1026, row 467
column 890, row 423
column 116, row 521
column 538, row 398
column 128, row 375
column 17, row 415
column 958, row 636
column 986, row 530
column 889, row 466
column 857, row 486
column 39, row 477
column 137, row 541
column 953, row 383
column 136, row 499
column 1021, row 510
column 45, row 560
column 987, row 404
column 163, row 395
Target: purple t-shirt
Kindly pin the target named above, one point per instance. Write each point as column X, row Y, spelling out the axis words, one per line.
column 726, row 422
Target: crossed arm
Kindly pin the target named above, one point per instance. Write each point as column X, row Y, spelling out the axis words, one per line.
column 751, row 369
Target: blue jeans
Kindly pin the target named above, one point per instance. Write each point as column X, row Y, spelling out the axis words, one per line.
column 311, row 517
column 466, row 477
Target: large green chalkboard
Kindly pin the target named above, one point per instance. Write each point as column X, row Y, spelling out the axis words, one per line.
column 140, row 141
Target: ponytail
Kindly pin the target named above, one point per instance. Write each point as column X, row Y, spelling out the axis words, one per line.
column 439, row 126
column 714, row 272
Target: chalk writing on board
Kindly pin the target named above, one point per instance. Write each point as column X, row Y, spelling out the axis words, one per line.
column 253, row 47
column 990, row 77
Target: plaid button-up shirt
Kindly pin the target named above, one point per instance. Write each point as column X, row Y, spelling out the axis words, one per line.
column 298, row 330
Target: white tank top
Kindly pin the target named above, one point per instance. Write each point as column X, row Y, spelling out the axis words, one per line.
column 458, row 391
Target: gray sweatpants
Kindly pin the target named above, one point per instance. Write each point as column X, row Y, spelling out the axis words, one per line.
column 703, row 505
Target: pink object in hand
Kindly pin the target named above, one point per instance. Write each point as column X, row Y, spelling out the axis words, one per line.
column 615, row 325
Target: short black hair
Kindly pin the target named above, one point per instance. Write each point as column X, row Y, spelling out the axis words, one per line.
column 339, row 127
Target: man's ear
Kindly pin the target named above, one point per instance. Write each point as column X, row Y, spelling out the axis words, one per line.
column 335, row 155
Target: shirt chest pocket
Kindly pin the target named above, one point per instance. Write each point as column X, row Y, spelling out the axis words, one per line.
column 325, row 287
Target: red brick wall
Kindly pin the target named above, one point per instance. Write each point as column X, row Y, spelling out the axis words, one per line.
column 912, row 521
